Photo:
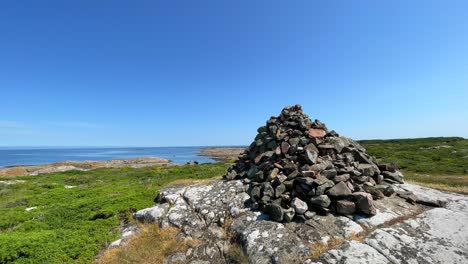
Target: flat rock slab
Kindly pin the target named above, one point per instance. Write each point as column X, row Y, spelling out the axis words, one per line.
column 438, row 235
column 218, row 214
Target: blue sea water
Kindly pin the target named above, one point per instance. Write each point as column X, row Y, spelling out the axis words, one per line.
column 34, row 156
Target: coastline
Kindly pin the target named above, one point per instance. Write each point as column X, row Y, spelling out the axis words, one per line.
column 219, row 154
column 223, row 154
column 62, row 166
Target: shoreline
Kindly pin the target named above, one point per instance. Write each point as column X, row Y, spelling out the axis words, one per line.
column 218, row 154
column 86, row 165
column 224, row 154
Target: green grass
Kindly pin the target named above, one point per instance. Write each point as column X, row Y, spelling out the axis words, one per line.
column 436, row 156
column 73, row 225
column 440, row 163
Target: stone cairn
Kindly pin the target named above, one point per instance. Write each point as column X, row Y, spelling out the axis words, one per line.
column 297, row 168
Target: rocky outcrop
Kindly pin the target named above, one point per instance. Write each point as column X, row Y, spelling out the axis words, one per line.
column 294, row 160
column 219, row 215
column 80, row 166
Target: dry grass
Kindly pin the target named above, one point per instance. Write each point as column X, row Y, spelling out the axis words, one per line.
column 317, row 249
column 442, row 187
column 192, row 181
column 151, row 246
column 236, row 254
column 356, row 237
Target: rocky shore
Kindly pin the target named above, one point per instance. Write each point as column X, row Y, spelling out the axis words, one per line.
column 81, row 166
column 222, row 153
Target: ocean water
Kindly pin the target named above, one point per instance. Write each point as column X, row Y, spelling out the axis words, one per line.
column 35, row 156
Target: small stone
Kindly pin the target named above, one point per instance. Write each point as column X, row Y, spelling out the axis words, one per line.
column 288, row 214
column 280, row 189
column 309, row 214
column 345, row 207
column 255, row 193
column 330, row 174
column 311, row 156
column 341, row 178
column 273, row 174
column 317, row 133
column 320, row 201
column 395, row 176
column 299, row 206
column 274, row 211
column 267, row 189
column 285, row 147
column 339, row 190
column 365, row 203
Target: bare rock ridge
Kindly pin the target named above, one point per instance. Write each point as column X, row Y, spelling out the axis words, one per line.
column 303, row 194
column 219, row 216
column 296, row 167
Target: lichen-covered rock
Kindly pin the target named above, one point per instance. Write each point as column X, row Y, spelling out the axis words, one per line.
column 219, row 213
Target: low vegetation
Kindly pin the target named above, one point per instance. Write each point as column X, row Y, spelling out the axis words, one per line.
column 150, row 246
column 440, row 163
column 77, row 213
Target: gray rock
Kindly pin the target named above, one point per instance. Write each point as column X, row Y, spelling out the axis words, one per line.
column 339, row 190
column 274, row 211
column 311, row 156
column 321, row 189
column 330, row 174
column 299, row 206
column 320, row 201
column 395, row 176
column 341, row 178
column 345, row 207
column 365, row 203
column 337, row 143
column 288, row 214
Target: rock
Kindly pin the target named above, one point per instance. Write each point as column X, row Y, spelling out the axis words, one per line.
column 274, row 211
column 341, row 178
column 345, row 207
column 337, row 143
column 311, row 156
column 285, row 147
column 395, row 176
column 280, row 189
column 330, row 174
column 288, row 215
column 268, row 189
column 320, row 201
column 324, row 187
column 367, row 169
column 317, row 133
column 299, row 206
column 152, row 214
column 365, row 203
column 339, row 190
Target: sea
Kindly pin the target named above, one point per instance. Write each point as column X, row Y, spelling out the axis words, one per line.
column 14, row 156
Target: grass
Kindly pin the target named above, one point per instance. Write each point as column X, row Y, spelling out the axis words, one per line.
column 73, row 225
column 439, row 163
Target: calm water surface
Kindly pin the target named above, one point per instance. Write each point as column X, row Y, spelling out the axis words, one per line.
column 34, row 156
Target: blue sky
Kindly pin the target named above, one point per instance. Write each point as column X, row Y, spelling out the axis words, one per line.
column 179, row 73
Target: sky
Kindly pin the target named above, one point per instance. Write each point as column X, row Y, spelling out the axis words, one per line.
column 200, row 73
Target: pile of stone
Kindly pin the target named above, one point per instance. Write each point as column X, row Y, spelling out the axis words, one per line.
column 297, row 168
